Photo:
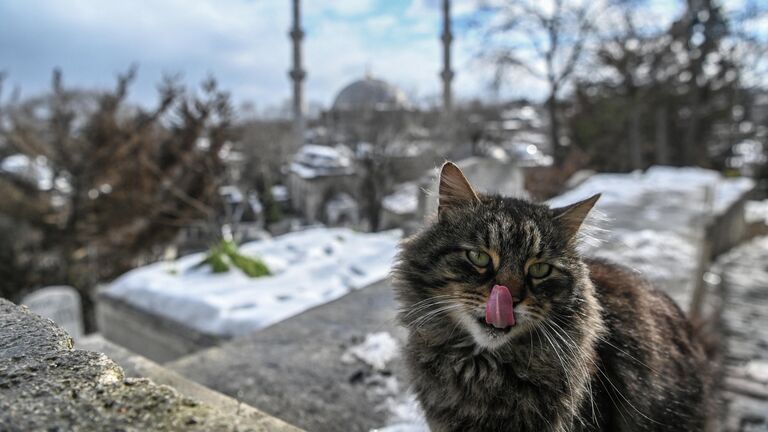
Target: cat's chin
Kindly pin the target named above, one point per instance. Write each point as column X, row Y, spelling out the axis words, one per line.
column 487, row 336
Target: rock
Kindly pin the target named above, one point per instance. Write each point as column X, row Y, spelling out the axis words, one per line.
column 47, row 385
column 294, row 369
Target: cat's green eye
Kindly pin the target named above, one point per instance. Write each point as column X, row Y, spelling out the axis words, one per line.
column 539, row 270
column 480, row 259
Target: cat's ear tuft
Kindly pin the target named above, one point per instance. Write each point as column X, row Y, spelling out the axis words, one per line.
column 454, row 189
column 572, row 216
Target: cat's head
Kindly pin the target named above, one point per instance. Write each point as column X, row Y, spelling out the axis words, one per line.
column 492, row 268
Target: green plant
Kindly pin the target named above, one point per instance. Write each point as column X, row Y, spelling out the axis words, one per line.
column 226, row 254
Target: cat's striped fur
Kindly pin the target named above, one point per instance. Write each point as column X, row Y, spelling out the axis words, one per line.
column 596, row 348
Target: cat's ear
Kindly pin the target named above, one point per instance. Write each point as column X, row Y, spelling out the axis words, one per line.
column 454, row 189
column 572, row 216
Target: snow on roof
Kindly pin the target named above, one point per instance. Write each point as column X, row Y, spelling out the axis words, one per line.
column 280, row 192
column 309, row 268
column 315, row 160
column 405, row 200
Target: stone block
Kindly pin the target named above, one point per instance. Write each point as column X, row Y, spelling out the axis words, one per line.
column 45, row 384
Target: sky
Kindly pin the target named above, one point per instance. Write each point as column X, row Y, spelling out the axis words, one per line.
column 243, row 43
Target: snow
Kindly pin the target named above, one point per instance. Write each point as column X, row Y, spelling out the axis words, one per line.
column 757, row 370
column 756, row 211
column 406, row 416
column 377, row 350
column 280, row 193
column 315, row 160
column 689, row 181
column 309, row 268
column 405, row 200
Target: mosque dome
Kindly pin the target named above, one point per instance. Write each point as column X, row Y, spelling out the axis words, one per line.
column 370, row 94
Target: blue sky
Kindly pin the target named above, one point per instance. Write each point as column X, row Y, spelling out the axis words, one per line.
column 243, row 43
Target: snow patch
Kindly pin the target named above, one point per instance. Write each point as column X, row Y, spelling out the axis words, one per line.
column 758, row 370
column 377, row 350
column 308, row 268
column 405, row 200
column 624, row 189
column 406, row 416
column 756, row 211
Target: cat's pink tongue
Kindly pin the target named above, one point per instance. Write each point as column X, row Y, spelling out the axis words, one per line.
column 499, row 310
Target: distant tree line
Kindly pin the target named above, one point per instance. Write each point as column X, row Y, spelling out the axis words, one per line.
column 624, row 91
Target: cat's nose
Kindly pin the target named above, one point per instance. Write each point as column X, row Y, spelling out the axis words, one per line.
column 516, row 289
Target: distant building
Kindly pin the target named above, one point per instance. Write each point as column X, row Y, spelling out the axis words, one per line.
column 487, row 175
column 360, row 108
column 322, row 182
column 369, row 94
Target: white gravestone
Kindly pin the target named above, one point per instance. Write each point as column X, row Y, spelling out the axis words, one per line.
column 59, row 303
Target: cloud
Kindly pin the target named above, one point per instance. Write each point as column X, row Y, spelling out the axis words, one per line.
column 244, row 44
column 91, row 40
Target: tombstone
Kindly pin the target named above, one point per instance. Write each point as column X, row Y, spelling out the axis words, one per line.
column 59, row 303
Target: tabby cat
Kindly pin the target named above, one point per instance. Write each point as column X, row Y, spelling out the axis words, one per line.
column 511, row 329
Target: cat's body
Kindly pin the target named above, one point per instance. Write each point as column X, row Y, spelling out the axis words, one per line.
column 592, row 348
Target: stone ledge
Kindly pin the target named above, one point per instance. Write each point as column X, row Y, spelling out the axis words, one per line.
column 137, row 366
column 47, row 385
column 294, row 369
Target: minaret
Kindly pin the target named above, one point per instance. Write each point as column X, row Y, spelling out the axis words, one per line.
column 447, row 73
column 297, row 75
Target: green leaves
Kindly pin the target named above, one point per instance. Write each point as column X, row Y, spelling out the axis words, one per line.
column 225, row 254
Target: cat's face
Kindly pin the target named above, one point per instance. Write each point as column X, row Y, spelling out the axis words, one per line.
column 491, row 266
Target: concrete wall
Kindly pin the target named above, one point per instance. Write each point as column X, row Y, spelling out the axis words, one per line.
column 154, row 337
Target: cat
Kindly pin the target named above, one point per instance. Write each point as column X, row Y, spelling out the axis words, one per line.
column 511, row 329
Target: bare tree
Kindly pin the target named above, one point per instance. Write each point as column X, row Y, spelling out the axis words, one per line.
column 544, row 39
column 100, row 183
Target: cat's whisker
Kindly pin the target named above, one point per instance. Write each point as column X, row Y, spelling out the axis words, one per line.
column 583, row 354
column 609, row 381
column 607, row 342
column 431, row 303
column 433, row 314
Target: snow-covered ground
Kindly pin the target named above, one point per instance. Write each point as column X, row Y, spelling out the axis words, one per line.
column 756, row 211
column 653, row 221
column 309, row 268
column 628, row 189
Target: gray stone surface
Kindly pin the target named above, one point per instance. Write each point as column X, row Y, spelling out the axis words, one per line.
column 745, row 318
column 46, row 385
column 137, row 366
column 293, row 370
column 155, row 337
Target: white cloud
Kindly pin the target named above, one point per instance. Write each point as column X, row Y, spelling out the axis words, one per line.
column 244, row 44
